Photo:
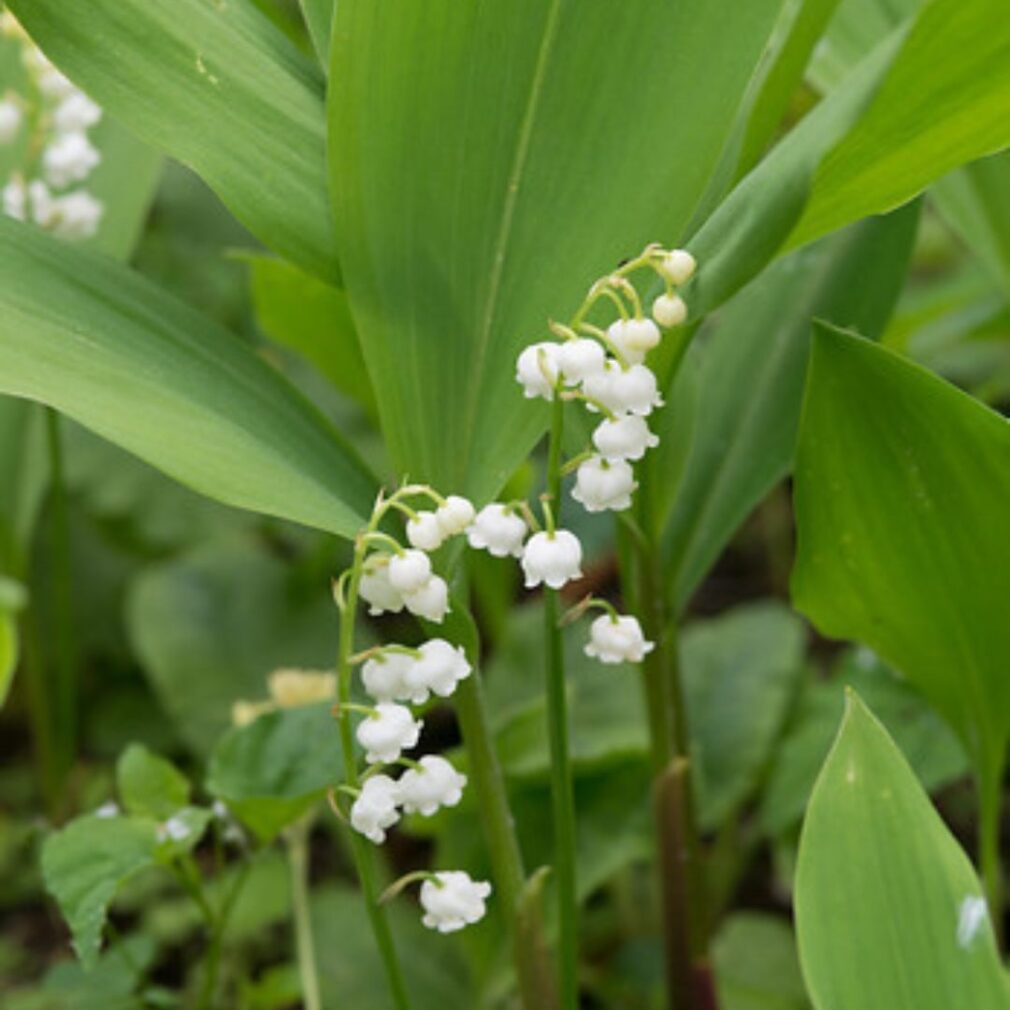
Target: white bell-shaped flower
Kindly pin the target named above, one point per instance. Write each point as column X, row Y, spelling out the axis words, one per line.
column 552, row 558
column 453, row 901
column 440, row 667
column 430, row 601
column 11, row 118
column 425, row 531
column 617, row 641
column 455, row 515
column 624, row 437
column 678, row 266
column 15, row 199
column 376, row 589
column 631, row 390
column 71, row 157
column 537, row 370
column 42, row 203
column 580, row 358
column 387, row 731
column 432, row 785
column 601, row 484
column 498, row 530
column 385, row 676
column 77, row 216
column 375, row 807
column 669, row 310
column 75, row 113
column 409, row 571
column 54, row 84
column 634, row 338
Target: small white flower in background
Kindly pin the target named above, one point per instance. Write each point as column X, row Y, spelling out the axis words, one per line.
column 434, row 784
column 430, row 601
column 537, row 370
column 389, row 730
column 617, row 641
column 624, row 437
column 76, row 113
column 220, row 811
column 581, row 358
column 634, row 338
column 498, row 530
column 290, row 687
column 454, row 901
column 15, row 199
column 678, row 266
column 602, row 485
column 43, row 206
column 54, row 84
column 11, row 118
column 107, row 810
column 455, row 515
column 77, row 215
column 175, row 828
column 377, row 591
column 439, row 669
column 71, row 157
column 669, row 310
column 409, row 571
column 631, row 390
column 552, row 558
column 384, row 676
column 375, row 807
column 424, row 531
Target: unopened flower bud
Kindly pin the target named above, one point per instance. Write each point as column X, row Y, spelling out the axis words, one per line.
column 678, row 266
column 669, row 310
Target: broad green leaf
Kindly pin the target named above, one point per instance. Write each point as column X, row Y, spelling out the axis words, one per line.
column 741, row 673
column 310, row 317
column 942, row 104
column 211, row 625
column 273, row 770
column 83, row 866
column 756, row 965
column 752, row 364
column 888, row 908
column 903, row 541
column 108, row 985
column 218, row 87
column 24, row 475
column 484, row 179
column 319, row 21
column 114, row 352
column 148, row 784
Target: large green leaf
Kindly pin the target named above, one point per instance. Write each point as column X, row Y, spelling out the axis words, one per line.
column 117, row 354
column 484, row 178
column 753, row 362
column 903, row 537
column 148, row 784
column 217, row 86
column 889, row 910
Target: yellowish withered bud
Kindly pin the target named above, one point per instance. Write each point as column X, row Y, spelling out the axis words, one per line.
column 244, row 712
column 290, row 688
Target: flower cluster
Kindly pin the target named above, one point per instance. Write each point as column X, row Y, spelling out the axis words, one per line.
column 394, row 577
column 53, row 117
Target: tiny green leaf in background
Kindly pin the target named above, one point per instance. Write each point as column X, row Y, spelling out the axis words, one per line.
column 148, row 784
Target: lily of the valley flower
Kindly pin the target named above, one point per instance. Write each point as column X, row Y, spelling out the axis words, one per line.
column 433, row 784
column 453, row 900
column 375, row 808
column 385, row 676
column 553, row 558
column 455, row 515
column 409, row 571
column 617, row 640
column 669, row 310
column 634, row 338
column 439, row 668
column 498, row 530
column 580, row 358
column 376, row 589
column 387, row 731
column 11, row 118
column 430, row 601
column 424, row 531
column 601, row 484
column 632, row 390
column 624, row 437
column 537, row 370
column 71, row 157
column 678, row 266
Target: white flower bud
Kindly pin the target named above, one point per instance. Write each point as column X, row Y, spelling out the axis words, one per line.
column 439, row 669
column 622, row 391
column 578, row 359
column 430, row 601
column 375, row 808
column 76, row 113
column 376, row 589
column 624, row 437
column 455, row 515
column 71, row 157
column 617, row 641
column 634, row 338
column 669, row 310
column 602, row 485
column 10, row 120
column 425, row 531
column 454, row 901
column 409, row 571
column 384, row 676
column 15, row 199
column 552, row 558
column 435, row 784
column 77, row 216
column 678, row 266
column 497, row 530
column 537, row 370
column 388, row 731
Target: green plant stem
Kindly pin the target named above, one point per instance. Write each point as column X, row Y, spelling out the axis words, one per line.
column 298, row 856
column 562, row 797
column 990, row 794
column 363, row 855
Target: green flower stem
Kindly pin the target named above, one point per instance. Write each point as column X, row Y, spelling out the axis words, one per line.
column 298, row 856
column 562, row 796
column 363, row 855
